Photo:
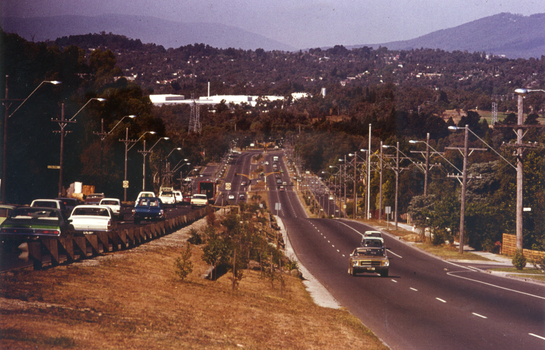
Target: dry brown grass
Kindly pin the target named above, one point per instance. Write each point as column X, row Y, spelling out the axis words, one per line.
column 133, row 300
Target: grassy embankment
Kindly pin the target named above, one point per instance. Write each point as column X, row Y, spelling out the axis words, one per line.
column 134, row 300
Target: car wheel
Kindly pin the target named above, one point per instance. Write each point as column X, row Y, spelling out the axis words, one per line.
column 384, row 273
column 136, row 220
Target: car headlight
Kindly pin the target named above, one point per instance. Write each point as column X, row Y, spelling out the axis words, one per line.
column 386, row 263
column 355, row 263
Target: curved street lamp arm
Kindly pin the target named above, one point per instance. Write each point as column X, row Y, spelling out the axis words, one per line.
column 91, row 99
column 119, row 122
column 140, row 138
column 54, row 82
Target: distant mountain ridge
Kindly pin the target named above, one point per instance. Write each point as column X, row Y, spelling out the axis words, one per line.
column 515, row 36
column 147, row 29
column 511, row 35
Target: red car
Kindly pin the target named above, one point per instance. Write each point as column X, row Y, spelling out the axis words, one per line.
column 186, row 200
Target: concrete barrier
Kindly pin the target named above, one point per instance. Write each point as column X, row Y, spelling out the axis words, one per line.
column 64, row 250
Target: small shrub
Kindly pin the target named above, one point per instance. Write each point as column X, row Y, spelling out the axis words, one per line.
column 194, row 237
column 292, row 265
column 519, row 260
column 438, row 237
column 539, row 264
column 183, row 264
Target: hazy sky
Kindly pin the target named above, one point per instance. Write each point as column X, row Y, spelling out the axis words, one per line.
column 299, row 23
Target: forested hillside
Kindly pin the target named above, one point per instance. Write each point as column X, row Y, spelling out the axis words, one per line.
column 404, row 95
column 435, row 78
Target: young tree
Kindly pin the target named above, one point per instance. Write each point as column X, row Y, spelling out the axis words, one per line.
column 183, row 263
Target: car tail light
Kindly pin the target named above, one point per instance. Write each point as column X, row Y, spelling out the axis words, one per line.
column 48, row 232
column 109, row 225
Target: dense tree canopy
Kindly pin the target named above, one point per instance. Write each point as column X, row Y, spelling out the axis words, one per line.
column 404, row 95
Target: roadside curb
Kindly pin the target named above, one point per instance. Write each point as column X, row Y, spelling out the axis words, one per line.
column 319, row 294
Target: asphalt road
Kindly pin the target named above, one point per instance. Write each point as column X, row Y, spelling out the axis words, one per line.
column 241, row 165
column 425, row 303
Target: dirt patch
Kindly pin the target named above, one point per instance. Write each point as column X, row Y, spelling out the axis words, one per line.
column 133, row 299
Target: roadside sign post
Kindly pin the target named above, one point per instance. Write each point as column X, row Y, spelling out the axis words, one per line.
column 277, row 207
column 388, row 211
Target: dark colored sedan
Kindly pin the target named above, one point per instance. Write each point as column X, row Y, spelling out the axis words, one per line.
column 32, row 222
column 148, row 208
column 69, row 203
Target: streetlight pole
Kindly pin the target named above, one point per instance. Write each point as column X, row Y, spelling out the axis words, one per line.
column 102, row 134
column 369, row 177
column 465, row 153
column 520, row 168
column 145, row 153
column 126, row 141
column 169, row 173
column 380, row 190
column 127, row 149
column 397, row 181
column 427, row 165
column 63, row 123
column 463, row 195
column 344, row 186
column 355, row 204
column 335, row 187
column 5, row 141
column 397, row 170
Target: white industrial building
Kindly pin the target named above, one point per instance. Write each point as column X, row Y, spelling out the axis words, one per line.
column 170, row 99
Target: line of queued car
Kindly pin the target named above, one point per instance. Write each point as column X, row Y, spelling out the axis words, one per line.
column 68, row 216
column 59, row 217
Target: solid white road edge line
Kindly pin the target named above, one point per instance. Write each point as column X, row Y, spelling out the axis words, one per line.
column 494, row 285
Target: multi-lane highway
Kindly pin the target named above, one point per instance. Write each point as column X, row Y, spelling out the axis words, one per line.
column 425, row 303
column 237, row 178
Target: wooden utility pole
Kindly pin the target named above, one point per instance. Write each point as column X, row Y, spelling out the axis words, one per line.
column 466, row 152
column 62, row 124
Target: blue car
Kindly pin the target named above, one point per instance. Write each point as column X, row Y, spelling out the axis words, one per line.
column 148, row 208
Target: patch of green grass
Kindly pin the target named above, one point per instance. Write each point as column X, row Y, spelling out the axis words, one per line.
column 528, row 272
column 448, row 252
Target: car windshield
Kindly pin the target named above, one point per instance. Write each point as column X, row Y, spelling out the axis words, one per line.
column 369, row 251
column 112, row 202
column 34, row 214
column 87, row 211
column 371, row 243
column 45, row 204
